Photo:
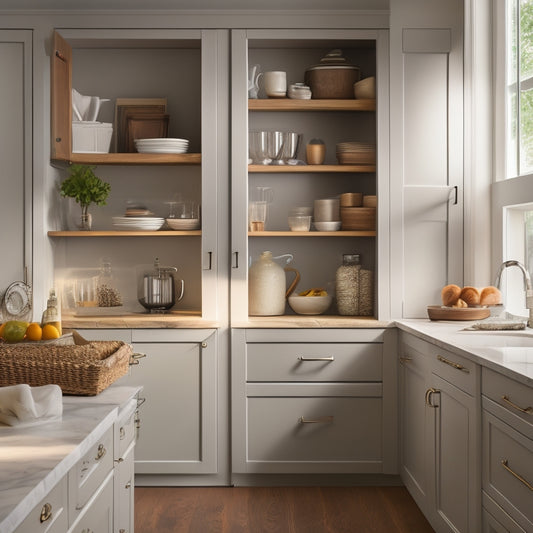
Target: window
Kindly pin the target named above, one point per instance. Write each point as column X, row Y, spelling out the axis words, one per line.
column 512, row 189
column 519, row 87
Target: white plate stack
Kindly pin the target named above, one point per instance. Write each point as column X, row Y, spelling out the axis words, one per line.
column 138, row 223
column 356, row 153
column 162, row 146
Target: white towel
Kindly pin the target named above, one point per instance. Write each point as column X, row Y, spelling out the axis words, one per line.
column 22, row 405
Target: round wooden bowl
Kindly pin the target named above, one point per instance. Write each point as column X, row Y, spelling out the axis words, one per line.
column 351, row 199
column 358, row 218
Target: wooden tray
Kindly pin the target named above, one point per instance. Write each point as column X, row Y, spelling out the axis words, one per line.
column 438, row 312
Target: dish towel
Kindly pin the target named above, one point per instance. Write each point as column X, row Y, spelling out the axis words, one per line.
column 22, row 405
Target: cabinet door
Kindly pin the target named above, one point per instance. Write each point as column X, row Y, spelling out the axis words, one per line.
column 178, row 421
column 124, row 495
column 61, row 114
column 456, row 448
column 15, row 153
column 415, row 430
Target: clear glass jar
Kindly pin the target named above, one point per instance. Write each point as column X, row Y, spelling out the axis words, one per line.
column 347, row 285
column 107, row 293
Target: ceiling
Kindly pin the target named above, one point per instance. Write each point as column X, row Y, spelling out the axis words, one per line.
column 195, row 5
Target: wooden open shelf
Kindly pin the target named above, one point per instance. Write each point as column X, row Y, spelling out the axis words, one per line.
column 135, row 159
column 346, row 233
column 115, row 233
column 299, row 169
column 289, row 104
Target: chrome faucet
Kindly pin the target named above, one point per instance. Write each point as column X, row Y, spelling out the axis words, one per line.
column 527, row 285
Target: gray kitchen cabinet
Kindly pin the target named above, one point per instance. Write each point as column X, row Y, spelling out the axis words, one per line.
column 440, row 434
column 323, row 406
column 317, row 254
column 185, row 67
column 16, row 156
column 179, row 419
column 507, row 451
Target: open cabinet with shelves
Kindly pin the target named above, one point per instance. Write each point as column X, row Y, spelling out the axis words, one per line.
column 181, row 68
column 317, row 254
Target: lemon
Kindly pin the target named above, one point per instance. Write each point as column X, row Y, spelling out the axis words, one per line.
column 34, row 332
column 15, row 330
column 50, row 332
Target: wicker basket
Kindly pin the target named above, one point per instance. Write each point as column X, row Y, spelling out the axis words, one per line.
column 83, row 368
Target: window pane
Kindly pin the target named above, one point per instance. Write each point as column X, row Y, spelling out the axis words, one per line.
column 526, row 132
column 526, row 39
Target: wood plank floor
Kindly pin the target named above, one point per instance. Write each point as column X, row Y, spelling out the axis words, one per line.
column 277, row 510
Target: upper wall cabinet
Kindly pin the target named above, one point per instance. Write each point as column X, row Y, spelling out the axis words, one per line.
column 111, row 65
column 287, row 179
column 167, row 86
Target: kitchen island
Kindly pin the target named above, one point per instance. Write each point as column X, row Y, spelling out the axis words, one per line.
column 34, row 460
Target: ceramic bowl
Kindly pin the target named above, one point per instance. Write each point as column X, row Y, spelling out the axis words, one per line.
column 309, row 305
column 365, row 88
column 328, row 226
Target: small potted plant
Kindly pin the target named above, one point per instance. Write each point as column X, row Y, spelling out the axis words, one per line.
column 86, row 188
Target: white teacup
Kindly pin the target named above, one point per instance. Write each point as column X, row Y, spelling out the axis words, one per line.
column 275, row 84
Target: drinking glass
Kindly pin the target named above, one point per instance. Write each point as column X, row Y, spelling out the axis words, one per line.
column 275, row 144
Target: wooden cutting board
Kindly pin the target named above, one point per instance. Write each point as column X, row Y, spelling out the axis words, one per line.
column 438, row 312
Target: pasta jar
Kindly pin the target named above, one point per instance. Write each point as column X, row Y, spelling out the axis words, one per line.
column 347, row 285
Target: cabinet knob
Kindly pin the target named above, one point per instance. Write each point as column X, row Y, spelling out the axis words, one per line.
column 46, row 513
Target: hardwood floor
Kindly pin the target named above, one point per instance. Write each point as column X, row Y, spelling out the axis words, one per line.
column 277, row 510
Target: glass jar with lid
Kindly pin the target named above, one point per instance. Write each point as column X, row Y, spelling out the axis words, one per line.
column 347, row 285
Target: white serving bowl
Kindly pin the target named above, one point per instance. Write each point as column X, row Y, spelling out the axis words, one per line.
column 328, row 226
column 365, row 88
column 183, row 224
column 310, row 305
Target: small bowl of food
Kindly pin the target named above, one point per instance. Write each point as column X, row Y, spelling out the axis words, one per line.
column 311, row 302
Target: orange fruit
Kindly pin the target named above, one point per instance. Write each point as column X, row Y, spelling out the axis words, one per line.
column 34, row 332
column 2, row 326
column 50, row 332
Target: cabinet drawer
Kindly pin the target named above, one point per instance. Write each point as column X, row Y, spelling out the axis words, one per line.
column 89, row 472
column 313, row 362
column 125, row 429
column 307, row 430
column 515, row 398
column 97, row 517
column 49, row 515
column 508, row 469
column 496, row 520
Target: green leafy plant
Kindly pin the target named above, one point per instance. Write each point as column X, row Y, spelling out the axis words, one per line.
column 85, row 187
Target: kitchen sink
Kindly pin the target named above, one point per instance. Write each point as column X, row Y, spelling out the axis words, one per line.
column 495, row 339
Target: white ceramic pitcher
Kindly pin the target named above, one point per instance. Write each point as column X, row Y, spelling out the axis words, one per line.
column 267, row 291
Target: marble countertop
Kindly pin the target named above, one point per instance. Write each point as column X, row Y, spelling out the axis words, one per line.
column 34, row 459
column 508, row 352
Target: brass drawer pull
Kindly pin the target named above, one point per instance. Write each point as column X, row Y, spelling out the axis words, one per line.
column 527, row 410
column 319, row 420
column 405, row 359
column 101, row 452
column 303, row 358
column 46, row 513
column 453, row 364
column 505, row 464
column 134, row 358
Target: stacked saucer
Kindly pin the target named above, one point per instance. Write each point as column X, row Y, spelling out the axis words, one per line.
column 356, row 153
column 162, row 146
column 138, row 223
